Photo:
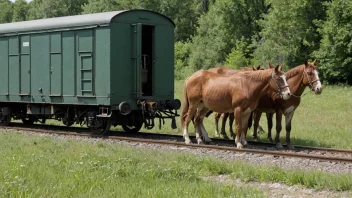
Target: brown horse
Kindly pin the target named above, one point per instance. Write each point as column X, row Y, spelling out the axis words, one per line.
column 298, row 79
column 224, row 116
column 239, row 93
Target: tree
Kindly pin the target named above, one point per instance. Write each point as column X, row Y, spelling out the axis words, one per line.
column 335, row 53
column 226, row 22
column 240, row 55
column 20, row 9
column 5, row 11
column 39, row 9
column 289, row 34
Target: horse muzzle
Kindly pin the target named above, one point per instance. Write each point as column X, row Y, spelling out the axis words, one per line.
column 285, row 95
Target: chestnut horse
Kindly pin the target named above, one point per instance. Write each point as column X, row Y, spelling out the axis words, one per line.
column 224, row 116
column 298, row 79
column 239, row 93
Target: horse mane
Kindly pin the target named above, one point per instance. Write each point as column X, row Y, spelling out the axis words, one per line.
column 259, row 75
column 295, row 71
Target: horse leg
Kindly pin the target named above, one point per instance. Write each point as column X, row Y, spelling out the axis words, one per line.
column 278, row 128
column 256, row 117
column 223, row 125
column 269, row 117
column 237, row 115
column 245, row 116
column 188, row 118
column 216, row 117
column 201, row 126
column 288, row 119
column 231, row 119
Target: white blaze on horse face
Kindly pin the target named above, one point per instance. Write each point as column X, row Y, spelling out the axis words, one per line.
column 287, row 93
column 317, row 88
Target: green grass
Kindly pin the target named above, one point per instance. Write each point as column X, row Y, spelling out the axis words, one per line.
column 38, row 166
column 320, row 120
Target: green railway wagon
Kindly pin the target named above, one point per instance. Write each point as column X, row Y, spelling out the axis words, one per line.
column 101, row 69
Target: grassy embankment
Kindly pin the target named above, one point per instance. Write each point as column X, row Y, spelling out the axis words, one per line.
column 39, row 166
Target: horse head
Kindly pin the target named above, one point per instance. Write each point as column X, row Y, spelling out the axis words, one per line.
column 278, row 83
column 311, row 77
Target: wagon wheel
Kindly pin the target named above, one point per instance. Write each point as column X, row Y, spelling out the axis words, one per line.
column 29, row 120
column 68, row 123
column 4, row 119
column 134, row 128
column 105, row 124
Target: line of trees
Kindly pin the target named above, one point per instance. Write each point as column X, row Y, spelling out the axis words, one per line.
column 234, row 33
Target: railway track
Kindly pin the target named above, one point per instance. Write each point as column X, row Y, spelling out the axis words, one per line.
column 314, row 153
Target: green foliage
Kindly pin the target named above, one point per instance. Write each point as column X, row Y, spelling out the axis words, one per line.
column 240, row 55
column 5, row 11
column 182, row 50
column 94, row 6
column 226, row 22
column 20, row 9
column 335, row 53
column 289, row 35
column 39, row 9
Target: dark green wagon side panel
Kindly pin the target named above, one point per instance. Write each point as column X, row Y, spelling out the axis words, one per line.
column 14, row 68
column 69, row 64
column 55, row 64
column 102, row 65
column 164, row 62
column 25, row 62
column 122, row 82
column 40, row 72
column 4, row 66
column 85, row 69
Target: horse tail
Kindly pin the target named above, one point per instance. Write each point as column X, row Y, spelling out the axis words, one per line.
column 185, row 104
column 250, row 120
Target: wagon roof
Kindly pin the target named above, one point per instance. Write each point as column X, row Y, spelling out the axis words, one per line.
column 94, row 19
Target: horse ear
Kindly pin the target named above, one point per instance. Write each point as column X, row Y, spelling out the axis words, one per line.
column 253, row 68
column 258, row 68
column 315, row 62
column 281, row 67
column 277, row 69
column 306, row 63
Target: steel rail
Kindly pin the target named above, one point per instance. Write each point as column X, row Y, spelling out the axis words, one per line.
column 182, row 144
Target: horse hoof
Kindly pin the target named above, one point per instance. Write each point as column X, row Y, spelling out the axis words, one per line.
column 271, row 140
column 188, row 142
column 255, row 139
column 200, row 142
column 240, row 146
column 279, row 146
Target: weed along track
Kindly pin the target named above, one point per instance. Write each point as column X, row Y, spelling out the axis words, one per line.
column 314, row 153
